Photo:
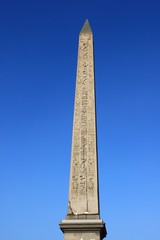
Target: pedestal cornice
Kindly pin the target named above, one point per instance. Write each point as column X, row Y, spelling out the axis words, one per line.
column 84, row 225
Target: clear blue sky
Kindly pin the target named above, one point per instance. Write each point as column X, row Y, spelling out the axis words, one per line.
column 38, row 57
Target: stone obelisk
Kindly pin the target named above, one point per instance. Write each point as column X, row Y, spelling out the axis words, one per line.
column 83, row 218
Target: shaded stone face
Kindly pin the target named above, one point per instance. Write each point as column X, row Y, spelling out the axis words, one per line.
column 83, row 190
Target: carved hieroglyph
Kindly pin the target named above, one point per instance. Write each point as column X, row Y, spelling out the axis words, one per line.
column 83, row 192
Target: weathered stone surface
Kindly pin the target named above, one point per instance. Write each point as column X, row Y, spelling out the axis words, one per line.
column 83, row 192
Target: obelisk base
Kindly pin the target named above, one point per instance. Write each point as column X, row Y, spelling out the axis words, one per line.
column 83, row 229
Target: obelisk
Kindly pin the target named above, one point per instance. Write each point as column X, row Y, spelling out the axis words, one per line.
column 83, row 218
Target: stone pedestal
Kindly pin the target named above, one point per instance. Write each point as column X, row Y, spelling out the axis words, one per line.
column 83, row 229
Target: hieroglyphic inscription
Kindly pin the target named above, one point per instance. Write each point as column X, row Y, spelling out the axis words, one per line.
column 84, row 110
column 76, row 146
column 91, row 129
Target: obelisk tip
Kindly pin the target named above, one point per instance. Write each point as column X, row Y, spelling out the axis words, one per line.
column 86, row 27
